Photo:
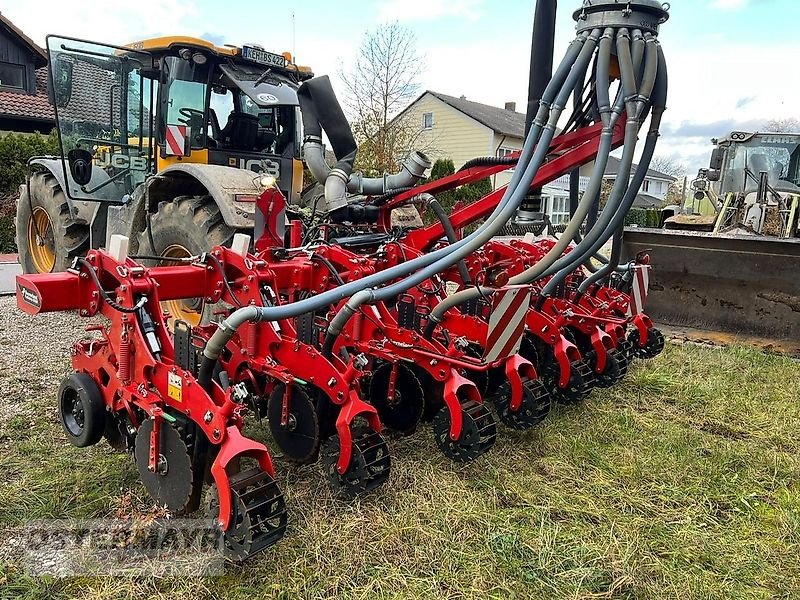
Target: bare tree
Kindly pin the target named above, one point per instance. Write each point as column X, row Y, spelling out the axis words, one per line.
column 379, row 86
column 789, row 125
column 674, row 168
column 669, row 166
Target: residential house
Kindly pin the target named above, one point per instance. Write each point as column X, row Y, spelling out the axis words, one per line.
column 23, row 82
column 555, row 196
column 654, row 189
column 460, row 129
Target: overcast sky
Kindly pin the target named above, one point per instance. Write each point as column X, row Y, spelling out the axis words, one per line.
column 733, row 63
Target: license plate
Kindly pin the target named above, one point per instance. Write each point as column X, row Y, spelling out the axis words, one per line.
column 263, row 57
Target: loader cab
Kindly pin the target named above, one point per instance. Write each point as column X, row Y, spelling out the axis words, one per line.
column 141, row 108
column 742, row 157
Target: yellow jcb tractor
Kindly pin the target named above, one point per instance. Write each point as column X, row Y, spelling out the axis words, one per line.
column 167, row 141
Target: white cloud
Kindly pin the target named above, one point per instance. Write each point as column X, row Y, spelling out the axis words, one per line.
column 728, row 83
column 97, row 20
column 729, row 4
column 429, row 10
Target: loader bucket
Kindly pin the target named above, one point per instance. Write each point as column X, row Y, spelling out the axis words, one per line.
column 735, row 284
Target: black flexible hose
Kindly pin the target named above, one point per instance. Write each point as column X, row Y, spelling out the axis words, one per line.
column 440, row 213
column 488, row 161
column 329, row 265
column 226, row 283
column 106, row 298
column 205, row 374
column 385, row 197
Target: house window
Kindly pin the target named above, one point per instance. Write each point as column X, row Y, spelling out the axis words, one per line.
column 427, row 120
column 503, row 152
column 12, row 76
column 559, row 209
column 646, row 185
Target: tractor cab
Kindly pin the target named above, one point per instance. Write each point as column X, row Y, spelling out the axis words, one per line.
column 125, row 113
column 751, row 186
column 741, row 158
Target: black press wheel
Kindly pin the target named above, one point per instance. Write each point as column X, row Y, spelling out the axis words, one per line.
column 81, row 410
column 534, row 409
column 369, row 466
column 652, row 347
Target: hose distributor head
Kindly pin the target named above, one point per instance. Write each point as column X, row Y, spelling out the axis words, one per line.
column 647, row 15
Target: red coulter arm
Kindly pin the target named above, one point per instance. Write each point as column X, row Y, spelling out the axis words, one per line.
column 566, row 153
column 53, row 292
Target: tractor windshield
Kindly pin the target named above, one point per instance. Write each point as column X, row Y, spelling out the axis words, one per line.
column 776, row 154
column 103, row 98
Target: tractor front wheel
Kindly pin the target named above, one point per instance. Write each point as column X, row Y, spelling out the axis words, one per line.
column 183, row 227
column 48, row 238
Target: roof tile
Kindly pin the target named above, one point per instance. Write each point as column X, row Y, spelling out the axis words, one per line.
column 499, row 120
column 29, row 106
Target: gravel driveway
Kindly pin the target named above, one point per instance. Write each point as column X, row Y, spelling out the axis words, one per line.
column 34, row 355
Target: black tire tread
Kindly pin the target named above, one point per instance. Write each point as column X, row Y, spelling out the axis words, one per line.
column 71, row 235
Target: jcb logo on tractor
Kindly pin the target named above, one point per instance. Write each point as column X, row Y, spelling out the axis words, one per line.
column 257, row 165
column 122, row 161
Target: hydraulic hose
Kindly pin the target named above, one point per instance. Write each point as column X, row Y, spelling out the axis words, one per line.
column 104, row 294
column 385, row 197
column 487, row 161
column 601, row 232
column 507, row 205
column 622, row 183
column 450, row 233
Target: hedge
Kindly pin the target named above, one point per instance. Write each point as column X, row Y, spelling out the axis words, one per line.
column 15, row 150
column 7, row 209
column 466, row 193
column 643, row 217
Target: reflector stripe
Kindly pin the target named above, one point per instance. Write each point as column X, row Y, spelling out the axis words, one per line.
column 502, row 315
column 513, row 338
column 639, row 289
column 506, row 323
column 176, row 140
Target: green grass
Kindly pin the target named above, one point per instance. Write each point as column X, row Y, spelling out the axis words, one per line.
column 679, row 483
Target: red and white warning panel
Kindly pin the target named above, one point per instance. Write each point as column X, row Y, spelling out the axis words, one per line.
column 176, row 138
column 507, row 322
column 639, row 288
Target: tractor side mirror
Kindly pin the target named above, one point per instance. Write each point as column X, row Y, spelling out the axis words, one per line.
column 80, row 165
column 715, row 166
column 59, row 84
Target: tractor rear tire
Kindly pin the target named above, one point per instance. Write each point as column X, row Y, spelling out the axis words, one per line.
column 48, row 238
column 183, row 227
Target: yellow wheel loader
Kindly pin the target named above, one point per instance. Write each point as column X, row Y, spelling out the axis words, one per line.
column 168, row 141
column 728, row 259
